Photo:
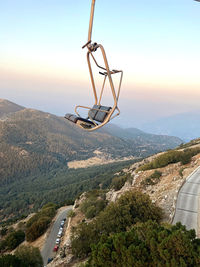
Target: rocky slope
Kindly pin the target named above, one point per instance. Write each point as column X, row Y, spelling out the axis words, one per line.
column 163, row 192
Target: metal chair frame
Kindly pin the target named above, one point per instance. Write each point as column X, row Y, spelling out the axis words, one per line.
column 92, row 48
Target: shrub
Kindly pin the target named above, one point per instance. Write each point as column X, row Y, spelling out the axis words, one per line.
column 11, row 261
column 94, row 203
column 37, row 225
column 129, row 209
column 91, row 212
column 118, row 182
column 12, row 240
column 153, row 179
column 169, row 157
column 2, row 245
column 181, row 172
column 147, row 244
column 3, row 231
column 30, row 256
column 37, row 228
column 71, row 214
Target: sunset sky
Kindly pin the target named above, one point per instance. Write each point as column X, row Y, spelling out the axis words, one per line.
column 156, row 43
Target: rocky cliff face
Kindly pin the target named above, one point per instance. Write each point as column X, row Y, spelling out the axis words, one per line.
column 163, row 191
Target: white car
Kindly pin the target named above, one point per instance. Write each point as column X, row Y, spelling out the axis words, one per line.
column 58, row 241
column 59, row 234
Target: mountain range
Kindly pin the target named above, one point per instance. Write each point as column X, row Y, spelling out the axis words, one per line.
column 186, row 126
column 35, row 148
column 40, row 132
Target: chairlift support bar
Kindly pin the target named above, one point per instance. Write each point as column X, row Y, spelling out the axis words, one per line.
column 91, row 20
column 91, row 49
column 105, row 70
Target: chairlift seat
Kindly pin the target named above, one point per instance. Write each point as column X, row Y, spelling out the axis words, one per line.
column 96, row 113
column 99, row 113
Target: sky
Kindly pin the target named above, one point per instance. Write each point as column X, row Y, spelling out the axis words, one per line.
column 155, row 43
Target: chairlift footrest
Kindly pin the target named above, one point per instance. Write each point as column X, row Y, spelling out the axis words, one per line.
column 84, row 123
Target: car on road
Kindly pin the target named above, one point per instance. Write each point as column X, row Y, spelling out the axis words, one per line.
column 59, row 235
column 55, row 248
column 62, row 223
column 58, row 241
column 49, row 260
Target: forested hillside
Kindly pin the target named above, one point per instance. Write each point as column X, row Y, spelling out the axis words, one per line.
column 35, row 148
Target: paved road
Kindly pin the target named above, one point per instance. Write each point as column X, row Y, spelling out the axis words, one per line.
column 187, row 202
column 47, row 250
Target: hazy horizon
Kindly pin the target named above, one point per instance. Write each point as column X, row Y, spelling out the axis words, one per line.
column 42, row 65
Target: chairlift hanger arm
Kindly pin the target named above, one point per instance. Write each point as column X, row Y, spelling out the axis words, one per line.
column 99, row 115
column 91, row 20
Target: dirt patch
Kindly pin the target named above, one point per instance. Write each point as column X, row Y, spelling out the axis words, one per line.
column 94, row 161
column 100, row 158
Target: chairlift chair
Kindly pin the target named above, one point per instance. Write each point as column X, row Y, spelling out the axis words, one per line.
column 98, row 115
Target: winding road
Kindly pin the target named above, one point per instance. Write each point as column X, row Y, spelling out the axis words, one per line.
column 187, row 206
column 47, row 250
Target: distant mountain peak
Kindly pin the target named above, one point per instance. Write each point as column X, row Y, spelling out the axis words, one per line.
column 185, row 125
column 8, row 107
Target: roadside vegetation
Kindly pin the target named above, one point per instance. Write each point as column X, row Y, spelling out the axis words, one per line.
column 130, row 232
column 24, row 256
column 119, row 181
column 10, row 239
column 147, row 244
column 169, row 157
column 38, row 224
column 191, row 143
column 130, row 208
column 94, row 203
column 153, row 179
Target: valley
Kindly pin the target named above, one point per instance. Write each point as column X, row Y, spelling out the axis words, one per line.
column 119, row 181
column 40, row 153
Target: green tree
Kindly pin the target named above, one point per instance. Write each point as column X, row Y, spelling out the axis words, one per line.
column 118, row 182
column 130, row 208
column 10, row 261
column 38, row 224
column 3, row 231
column 14, row 239
column 147, row 244
column 37, row 228
column 30, row 256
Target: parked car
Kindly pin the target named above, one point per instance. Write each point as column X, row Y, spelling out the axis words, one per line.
column 49, row 260
column 55, row 248
column 58, row 241
column 59, row 235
